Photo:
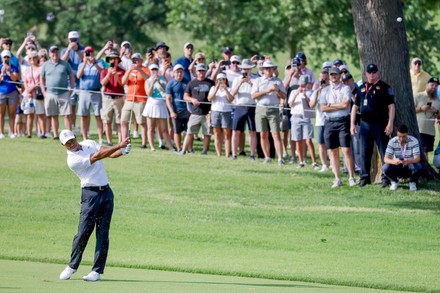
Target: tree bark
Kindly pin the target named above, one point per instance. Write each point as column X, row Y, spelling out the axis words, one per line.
column 381, row 40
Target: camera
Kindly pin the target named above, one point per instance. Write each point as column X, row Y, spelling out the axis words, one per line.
column 244, row 75
column 429, row 104
column 88, row 54
column 112, row 64
column 226, row 62
column 322, row 82
column 294, row 66
column 150, row 50
column 259, row 57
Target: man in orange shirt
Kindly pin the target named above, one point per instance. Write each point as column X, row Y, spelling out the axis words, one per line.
column 134, row 78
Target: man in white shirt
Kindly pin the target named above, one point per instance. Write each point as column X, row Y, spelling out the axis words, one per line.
column 335, row 103
column 85, row 160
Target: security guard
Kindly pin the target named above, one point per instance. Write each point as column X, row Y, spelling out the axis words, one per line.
column 375, row 99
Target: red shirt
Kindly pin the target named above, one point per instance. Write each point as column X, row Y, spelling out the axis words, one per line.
column 112, row 86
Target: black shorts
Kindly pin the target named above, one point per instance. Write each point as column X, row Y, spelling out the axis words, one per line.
column 181, row 122
column 337, row 134
column 243, row 115
column 426, row 142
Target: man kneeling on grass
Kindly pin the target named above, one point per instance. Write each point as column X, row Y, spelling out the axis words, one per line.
column 84, row 159
column 402, row 159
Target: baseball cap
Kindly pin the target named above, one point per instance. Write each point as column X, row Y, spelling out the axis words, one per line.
column 112, row 54
column 415, row 60
column 338, row 62
column 201, row 67
column 186, row 45
column 269, row 64
column 32, row 54
column 73, row 35
column 6, row 53
column 296, row 60
column 53, row 47
column 346, row 77
column 334, row 70
column 228, row 49
column 153, row 66
column 177, row 67
column 301, row 56
column 221, row 76
column 89, row 49
column 137, row 56
column 235, row 58
column 433, row 79
column 66, row 135
column 342, row 67
column 326, row 64
column 371, row 67
column 125, row 43
column 303, row 79
column 162, row 44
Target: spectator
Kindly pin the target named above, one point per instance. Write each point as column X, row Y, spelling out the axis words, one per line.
column 73, row 54
column 270, row 94
column 106, row 50
column 427, row 112
column 227, row 55
column 156, row 108
column 301, row 126
column 402, row 159
column 161, row 49
column 7, row 45
column 125, row 55
column 245, row 108
column 419, row 77
column 221, row 111
column 29, row 45
column 90, row 92
column 54, row 84
column 196, row 94
column 234, row 71
column 8, row 92
column 375, row 101
column 33, row 94
column 134, row 78
column 337, row 63
column 186, row 60
column 166, row 68
column 304, row 70
column 335, row 103
column 320, row 118
column 113, row 90
column 175, row 91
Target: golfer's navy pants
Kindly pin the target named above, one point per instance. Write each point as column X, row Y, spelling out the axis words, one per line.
column 96, row 210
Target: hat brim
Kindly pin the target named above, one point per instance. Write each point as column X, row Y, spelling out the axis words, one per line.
column 246, row 66
column 107, row 59
column 275, row 67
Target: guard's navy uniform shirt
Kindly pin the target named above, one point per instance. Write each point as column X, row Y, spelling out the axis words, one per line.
column 373, row 101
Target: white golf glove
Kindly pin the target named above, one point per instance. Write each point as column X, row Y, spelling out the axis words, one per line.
column 126, row 150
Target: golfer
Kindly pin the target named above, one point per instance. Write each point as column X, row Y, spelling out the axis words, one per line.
column 84, row 159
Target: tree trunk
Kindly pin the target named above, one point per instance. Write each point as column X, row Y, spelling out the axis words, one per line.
column 382, row 40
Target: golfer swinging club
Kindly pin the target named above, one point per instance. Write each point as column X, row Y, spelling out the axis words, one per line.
column 84, row 159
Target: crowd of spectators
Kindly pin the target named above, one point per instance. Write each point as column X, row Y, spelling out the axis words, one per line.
column 171, row 101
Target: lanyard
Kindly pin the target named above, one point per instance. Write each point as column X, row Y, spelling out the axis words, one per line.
column 368, row 88
column 403, row 151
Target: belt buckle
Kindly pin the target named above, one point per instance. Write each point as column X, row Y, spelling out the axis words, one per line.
column 102, row 187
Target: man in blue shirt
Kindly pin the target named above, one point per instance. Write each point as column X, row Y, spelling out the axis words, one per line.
column 176, row 105
column 73, row 54
column 186, row 61
column 90, row 86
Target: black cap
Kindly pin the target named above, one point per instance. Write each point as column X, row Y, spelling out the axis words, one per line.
column 228, row 49
column 338, row 62
column 346, row 77
column 162, row 44
column 433, row 79
column 371, row 67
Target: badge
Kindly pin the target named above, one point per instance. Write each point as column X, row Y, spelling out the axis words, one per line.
column 363, row 90
column 390, row 91
column 365, row 102
column 378, row 88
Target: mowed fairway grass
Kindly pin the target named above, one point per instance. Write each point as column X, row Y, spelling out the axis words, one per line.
column 209, row 215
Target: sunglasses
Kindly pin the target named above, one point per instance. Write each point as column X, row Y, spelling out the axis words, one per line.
column 334, row 74
column 235, row 62
column 371, row 72
column 74, row 40
column 344, row 71
column 8, row 43
column 6, row 57
column 417, row 63
column 190, row 47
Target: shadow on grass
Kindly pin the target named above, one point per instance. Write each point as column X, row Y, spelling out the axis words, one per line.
column 418, row 205
column 219, row 283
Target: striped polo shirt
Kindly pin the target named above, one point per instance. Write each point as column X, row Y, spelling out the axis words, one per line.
column 396, row 150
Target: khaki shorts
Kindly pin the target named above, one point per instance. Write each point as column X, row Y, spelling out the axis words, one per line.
column 267, row 118
column 138, row 108
column 20, row 118
column 197, row 121
column 57, row 104
column 109, row 107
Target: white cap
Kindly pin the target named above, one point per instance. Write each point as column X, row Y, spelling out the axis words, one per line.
column 153, row 66
column 235, row 58
column 269, row 64
column 66, row 135
column 6, row 53
column 344, row 67
column 187, row 44
column 137, row 56
column 327, row 64
column 221, row 75
column 125, row 43
column 73, row 35
column 177, row 67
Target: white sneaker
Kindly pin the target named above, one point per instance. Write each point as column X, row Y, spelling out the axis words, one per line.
column 92, row 277
column 352, row 181
column 48, row 135
column 337, row 183
column 67, row 273
column 412, row 186
column 12, row 135
column 315, row 166
column 135, row 134
column 394, row 185
column 2, row 136
column 324, row 168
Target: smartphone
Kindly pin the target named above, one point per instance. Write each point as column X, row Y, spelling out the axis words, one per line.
column 88, row 54
column 244, row 75
column 134, row 61
column 112, row 64
column 401, row 158
column 7, row 62
column 294, row 67
column 227, row 62
column 429, row 104
column 322, row 82
column 259, row 57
